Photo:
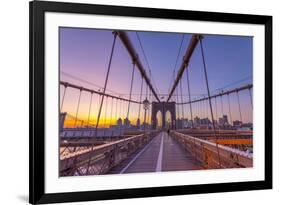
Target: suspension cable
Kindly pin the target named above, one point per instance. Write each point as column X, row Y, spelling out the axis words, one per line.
column 210, row 102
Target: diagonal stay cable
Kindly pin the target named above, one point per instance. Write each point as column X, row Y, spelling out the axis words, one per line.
column 146, row 59
column 177, row 58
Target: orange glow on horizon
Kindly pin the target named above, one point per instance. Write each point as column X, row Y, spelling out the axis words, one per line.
column 103, row 123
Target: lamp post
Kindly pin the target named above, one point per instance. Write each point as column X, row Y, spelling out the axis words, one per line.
column 145, row 107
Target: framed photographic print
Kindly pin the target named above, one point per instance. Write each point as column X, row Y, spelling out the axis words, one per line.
column 140, row 102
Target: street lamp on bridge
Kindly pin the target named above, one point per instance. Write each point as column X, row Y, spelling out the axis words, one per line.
column 145, row 107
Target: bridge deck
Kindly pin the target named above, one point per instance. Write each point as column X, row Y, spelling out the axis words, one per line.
column 162, row 153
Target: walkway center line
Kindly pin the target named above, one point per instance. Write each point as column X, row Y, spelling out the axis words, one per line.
column 135, row 158
column 160, row 155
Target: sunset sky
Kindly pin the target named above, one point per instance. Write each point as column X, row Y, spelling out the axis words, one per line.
column 84, row 56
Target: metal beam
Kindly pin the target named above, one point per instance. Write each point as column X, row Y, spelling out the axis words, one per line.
column 130, row 48
column 192, row 44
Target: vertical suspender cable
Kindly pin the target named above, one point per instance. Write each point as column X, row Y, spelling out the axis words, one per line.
column 77, row 109
column 116, row 111
column 89, row 112
column 205, row 102
column 207, row 110
column 216, row 106
column 111, row 110
column 177, row 94
column 76, row 115
column 124, row 110
column 239, row 106
column 131, row 88
column 87, row 126
column 106, row 80
column 197, row 109
column 201, row 110
column 190, row 107
column 182, row 111
column 222, row 113
column 189, row 98
column 120, row 109
column 229, row 109
column 204, row 109
column 140, row 98
column 105, row 111
column 62, row 101
column 149, row 99
column 144, row 119
column 104, row 90
column 177, row 108
column 210, row 102
column 251, row 99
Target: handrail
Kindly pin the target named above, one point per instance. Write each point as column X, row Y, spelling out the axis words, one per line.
column 104, row 156
column 205, row 152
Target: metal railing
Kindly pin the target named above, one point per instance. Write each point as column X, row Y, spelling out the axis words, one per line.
column 100, row 158
column 206, row 152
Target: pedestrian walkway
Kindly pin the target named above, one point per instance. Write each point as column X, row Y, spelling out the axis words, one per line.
column 162, row 153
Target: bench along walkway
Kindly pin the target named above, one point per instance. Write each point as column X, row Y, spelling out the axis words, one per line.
column 162, row 153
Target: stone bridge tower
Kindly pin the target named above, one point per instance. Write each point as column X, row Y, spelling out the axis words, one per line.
column 163, row 107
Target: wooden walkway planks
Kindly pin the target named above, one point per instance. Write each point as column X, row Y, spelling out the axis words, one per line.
column 163, row 153
column 176, row 158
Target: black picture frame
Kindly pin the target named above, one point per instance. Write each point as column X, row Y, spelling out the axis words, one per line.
column 37, row 11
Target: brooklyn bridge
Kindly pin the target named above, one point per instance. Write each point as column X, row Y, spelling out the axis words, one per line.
column 112, row 133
